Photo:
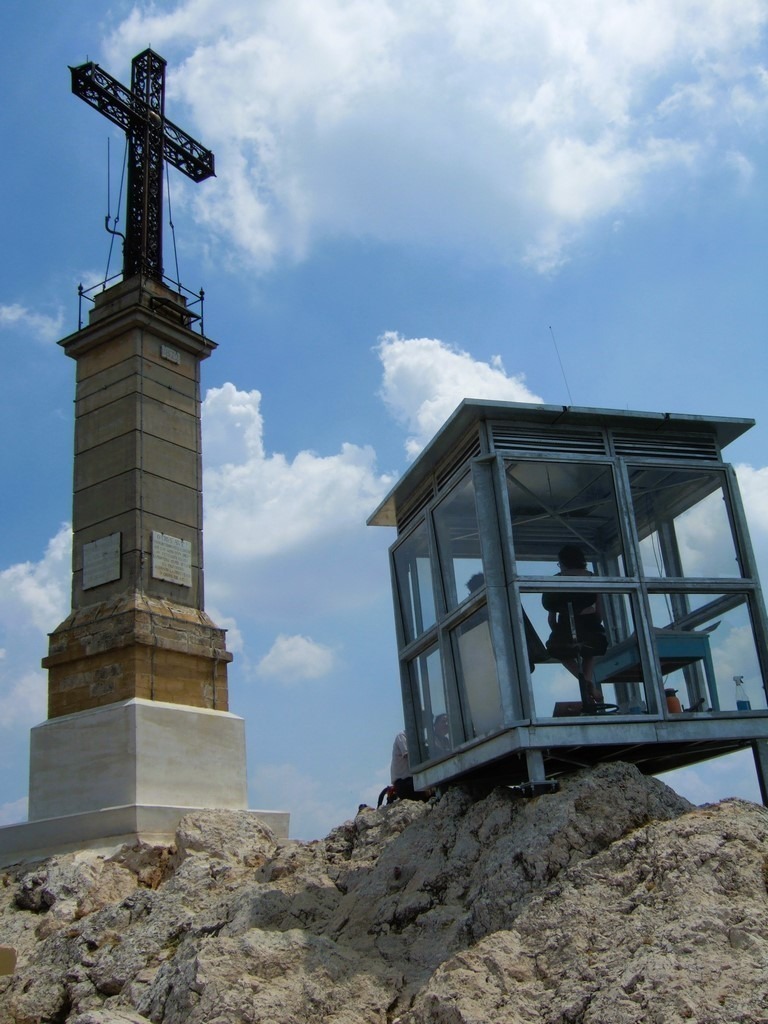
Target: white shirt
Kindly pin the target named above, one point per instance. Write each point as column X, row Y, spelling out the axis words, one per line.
column 399, row 768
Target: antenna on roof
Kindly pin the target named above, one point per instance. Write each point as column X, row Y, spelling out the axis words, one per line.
column 562, row 368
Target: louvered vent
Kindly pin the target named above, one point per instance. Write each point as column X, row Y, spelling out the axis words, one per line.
column 463, row 453
column 533, row 439
column 670, row 446
column 412, row 508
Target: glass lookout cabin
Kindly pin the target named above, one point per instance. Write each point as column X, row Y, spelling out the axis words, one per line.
column 482, row 518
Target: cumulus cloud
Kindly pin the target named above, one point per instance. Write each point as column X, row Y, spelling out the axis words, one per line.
column 503, row 125
column 40, row 326
column 259, row 504
column 272, row 520
column 234, row 426
column 424, row 380
column 753, row 484
column 235, row 642
column 23, row 700
column 294, row 659
column 36, row 594
column 285, row 535
column 34, row 598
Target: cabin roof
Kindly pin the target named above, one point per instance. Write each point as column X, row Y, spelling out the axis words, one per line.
column 473, row 411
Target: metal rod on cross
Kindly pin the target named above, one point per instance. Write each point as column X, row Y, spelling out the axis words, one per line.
column 152, row 138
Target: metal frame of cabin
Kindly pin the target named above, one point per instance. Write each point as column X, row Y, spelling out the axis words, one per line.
column 657, row 512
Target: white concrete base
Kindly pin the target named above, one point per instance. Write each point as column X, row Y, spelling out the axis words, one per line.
column 126, row 772
column 105, row 830
column 137, row 752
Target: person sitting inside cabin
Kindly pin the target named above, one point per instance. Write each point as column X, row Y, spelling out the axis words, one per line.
column 576, row 620
column 475, row 582
column 442, row 735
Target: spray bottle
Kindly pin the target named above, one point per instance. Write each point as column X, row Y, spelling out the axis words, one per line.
column 742, row 700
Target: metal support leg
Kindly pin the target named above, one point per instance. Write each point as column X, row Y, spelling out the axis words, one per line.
column 534, row 760
column 760, row 752
column 537, row 783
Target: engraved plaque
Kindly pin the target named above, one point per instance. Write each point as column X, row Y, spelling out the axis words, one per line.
column 101, row 561
column 171, row 559
column 171, row 354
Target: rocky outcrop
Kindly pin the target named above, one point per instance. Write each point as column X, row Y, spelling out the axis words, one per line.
column 611, row 901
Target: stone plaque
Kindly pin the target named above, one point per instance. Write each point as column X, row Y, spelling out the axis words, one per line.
column 171, row 559
column 101, row 561
column 171, row 354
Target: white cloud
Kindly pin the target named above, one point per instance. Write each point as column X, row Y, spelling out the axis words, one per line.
column 258, row 505
column 37, row 593
column 275, row 525
column 734, row 655
column 742, row 167
column 286, row 541
column 753, row 484
column 584, row 180
column 233, row 426
column 503, row 125
column 227, row 622
column 23, row 700
column 425, row 379
column 40, row 326
column 293, row 659
column 34, row 599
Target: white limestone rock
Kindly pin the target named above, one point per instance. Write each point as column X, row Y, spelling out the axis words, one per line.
column 110, row 1017
column 613, row 900
column 667, row 924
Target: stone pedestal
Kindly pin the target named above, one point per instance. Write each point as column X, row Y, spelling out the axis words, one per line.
column 137, row 752
column 126, row 772
column 132, row 645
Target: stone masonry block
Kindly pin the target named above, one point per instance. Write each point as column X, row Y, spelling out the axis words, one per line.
column 164, row 420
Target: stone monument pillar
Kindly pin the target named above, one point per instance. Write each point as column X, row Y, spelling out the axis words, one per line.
column 138, row 727
column 137, row 627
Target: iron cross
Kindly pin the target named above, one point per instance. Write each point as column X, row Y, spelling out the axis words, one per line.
column 152, row 138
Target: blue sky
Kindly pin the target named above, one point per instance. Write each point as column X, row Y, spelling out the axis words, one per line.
column 410, row 201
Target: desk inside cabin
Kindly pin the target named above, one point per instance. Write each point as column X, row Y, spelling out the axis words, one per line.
column 676, row 649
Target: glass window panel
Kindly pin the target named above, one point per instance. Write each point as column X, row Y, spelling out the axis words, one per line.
column 458, row 543
column 682, row 522
column 615, row 674
column 476, row 675
column 715, row 646
column 414, row 584
column 557, row 503
column 426, row 676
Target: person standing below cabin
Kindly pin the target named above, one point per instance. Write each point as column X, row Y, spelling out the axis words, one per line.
column 400, row 774
column 577, row 653
column 400, row 769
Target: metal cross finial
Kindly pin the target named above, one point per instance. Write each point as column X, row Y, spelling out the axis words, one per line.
column 152, row 138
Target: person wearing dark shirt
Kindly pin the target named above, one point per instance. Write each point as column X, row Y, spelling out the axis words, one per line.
column 576, row 621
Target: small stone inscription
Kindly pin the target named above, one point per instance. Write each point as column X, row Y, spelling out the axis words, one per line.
column 171, row 354
column 101, row 561
column 171, row 559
